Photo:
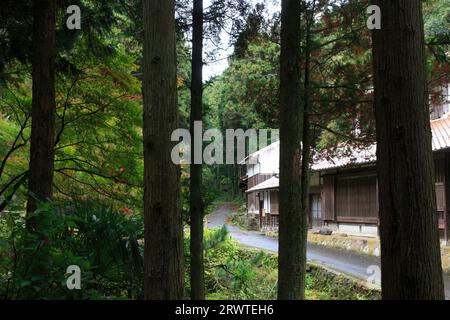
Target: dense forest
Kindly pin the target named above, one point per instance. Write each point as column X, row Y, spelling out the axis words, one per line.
column 92, row 205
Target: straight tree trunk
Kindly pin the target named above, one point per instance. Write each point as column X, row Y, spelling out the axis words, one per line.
column 293, row 221
column 43, row 105
column 163, row 253
column 410, row 252
column 196, row 202
column 306, row 152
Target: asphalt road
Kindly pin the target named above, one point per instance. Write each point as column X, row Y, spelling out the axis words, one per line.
column 347, row 262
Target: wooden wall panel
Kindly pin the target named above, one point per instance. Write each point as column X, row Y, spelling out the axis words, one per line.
column 356, row 198
column 328, row 198
column 274, row 202
column 252, row 202
column 252, row 199
column 440, row 196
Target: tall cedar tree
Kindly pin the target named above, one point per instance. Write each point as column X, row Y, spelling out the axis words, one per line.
column 293, row 221
column 196, row 202
column 163, row 253
column 410, row 253
column 307, row 136
column 43, row 104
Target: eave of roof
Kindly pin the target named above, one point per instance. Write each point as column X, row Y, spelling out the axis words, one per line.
column 269, row 184
column 440, row 129
column 259, row 152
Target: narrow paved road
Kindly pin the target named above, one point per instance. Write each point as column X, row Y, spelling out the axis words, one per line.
column 347, row 262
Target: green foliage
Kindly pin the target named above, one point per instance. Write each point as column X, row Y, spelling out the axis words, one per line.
column 248, row 274
column 102, row 242
column 216, row 237
column 437, row 22
column 106, row 245
column 100, row 19
column 340, row 90
column 245, row 96
column 322, row 284
column 98, row 136
column 245, row 220
column 234, row 272
column 437, row 38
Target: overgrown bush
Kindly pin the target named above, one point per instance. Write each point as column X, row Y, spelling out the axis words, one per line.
column 233, row 272
column 325, row 284
column 101, row 241
column 245, row 220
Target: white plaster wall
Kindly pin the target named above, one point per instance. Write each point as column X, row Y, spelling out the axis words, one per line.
column 270, row 160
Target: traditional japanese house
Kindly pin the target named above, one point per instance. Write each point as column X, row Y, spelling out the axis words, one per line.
column 344, row 191
column 260, row 166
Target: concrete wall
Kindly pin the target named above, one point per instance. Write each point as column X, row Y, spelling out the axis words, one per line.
column 354, row 229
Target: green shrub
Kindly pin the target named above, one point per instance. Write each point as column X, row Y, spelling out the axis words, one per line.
column 101, row 241
column 233, row 272
column 105, row 245
column 323, row 284
column 245, row 220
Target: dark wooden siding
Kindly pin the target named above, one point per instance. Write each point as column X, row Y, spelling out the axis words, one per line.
column 328, row 198
column 439, row 169
column 440, row 196
column 344, row 200
column 274, row 202
column 252, row 202
column 356, row 199
column 440, row 185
